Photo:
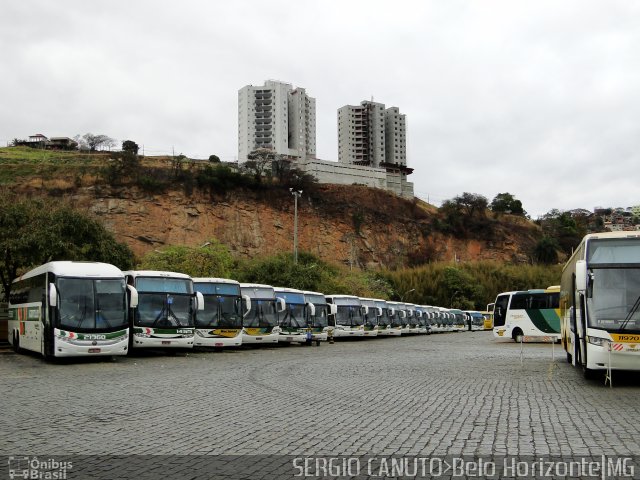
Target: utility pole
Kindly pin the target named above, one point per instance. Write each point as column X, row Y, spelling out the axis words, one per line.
column 296, row 194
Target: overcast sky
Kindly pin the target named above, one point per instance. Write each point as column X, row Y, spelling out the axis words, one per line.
column 539, row 98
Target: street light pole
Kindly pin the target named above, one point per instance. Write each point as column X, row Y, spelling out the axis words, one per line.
column 296, row 194
column 452, row 297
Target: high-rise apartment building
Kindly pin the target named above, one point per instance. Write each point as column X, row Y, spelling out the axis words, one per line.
column 395, row 137
column 369, row 134
column 278, row 117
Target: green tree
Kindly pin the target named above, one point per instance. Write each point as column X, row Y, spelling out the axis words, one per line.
column 566, row 229
column 461, row 287
column 212, row 259
column 464, row 213
column 546, row 250
column 214, row 159
column 472, row 204
column 36, row 231
column 260, row 163
column 95, row 142
column 311, row 273
column 507, row 203
column 130, row 146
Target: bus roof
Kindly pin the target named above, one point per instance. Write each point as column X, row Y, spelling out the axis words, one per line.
column 75, row 269
column 343, row 299
column 287, row 290
column 156, row 273
column 613, row 235
column 316, row 295
column 214, row 280
column 255, row 285
column 370, row 302
column 309, row 292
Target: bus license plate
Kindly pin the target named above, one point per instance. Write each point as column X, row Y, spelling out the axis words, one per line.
column 94, row 350
column 166, row 342
column 258, row 338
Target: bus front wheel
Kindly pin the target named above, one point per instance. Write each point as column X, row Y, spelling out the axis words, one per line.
column 16, row 342
column 589, row 374
column 518, row 335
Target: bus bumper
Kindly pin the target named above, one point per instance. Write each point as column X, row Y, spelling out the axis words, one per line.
column 208, row 341
column 627, row 358
column 269, row 338
column 87, row 349
column 162, row 342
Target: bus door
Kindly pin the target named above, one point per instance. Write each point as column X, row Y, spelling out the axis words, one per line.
column 500, row 313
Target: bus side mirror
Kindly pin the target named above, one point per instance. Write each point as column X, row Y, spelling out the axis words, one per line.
column 581, row 276
column 247, row 303
column 312, row 309
column 365, row 309
column 403, row 314
column 379, row 311
column 133, row 296
column 281, row 305
column 392, row 312
column 53, row 295
column 333, row 309
column 199, row 301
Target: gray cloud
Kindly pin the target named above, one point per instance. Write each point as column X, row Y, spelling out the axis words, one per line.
column 539, row 99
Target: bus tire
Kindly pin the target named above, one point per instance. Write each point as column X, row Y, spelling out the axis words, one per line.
column 517, row 335
column 16, row 342
column 569, row 359
column 589, row 374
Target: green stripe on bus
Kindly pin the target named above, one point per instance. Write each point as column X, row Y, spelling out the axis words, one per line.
column 545, row 320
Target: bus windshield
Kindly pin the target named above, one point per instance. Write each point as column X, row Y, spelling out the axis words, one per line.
column 294, row 316
column 384, row 320
column 320, row 318
column 164, row 310
column 614, row 299
column 91, row 304
column 349, row 315
column 220, row 311
column 262, row 314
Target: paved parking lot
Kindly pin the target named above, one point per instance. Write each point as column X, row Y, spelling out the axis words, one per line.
column 445, row 394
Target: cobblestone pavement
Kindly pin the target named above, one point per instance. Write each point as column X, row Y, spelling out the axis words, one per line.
column 447, row 394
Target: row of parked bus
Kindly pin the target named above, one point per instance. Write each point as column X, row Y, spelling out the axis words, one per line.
column 84, row 308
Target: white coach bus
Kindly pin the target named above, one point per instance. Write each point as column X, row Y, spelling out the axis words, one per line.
column 599, row 303
column 64, row 309
column 318, row 316
column 262, row 323
column 165, row 314
column 219, row 323
column 348, row 321
column 372, row 314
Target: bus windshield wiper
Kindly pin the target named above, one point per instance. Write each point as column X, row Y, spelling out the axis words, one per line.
column 631, row 313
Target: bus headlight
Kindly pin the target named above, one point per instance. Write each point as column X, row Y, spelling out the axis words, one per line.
column 597, row 341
